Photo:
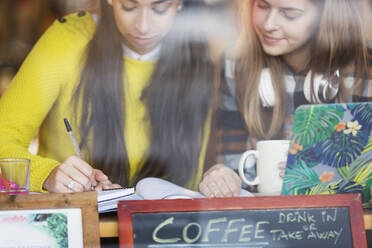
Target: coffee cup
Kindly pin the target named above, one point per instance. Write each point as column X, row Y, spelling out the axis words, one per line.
column 268, row 154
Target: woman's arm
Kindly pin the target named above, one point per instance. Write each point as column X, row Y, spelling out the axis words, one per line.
column 32, row 94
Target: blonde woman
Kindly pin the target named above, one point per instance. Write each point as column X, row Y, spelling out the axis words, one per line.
column 290, row 53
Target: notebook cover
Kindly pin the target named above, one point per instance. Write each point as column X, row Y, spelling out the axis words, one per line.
column 330, row 150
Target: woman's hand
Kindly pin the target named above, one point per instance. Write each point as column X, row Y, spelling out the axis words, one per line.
column 73, row 175
column 281, row 166
column 220, row 181
column 106, row 184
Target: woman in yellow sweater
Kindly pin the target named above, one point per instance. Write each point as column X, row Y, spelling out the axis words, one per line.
column 137, row 88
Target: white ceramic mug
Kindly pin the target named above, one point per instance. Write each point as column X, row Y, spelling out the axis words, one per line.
column 268, row 154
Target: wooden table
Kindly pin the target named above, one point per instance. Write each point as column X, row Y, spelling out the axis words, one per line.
column 108, row 223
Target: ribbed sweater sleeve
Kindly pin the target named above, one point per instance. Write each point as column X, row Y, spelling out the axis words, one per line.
column 34, row 91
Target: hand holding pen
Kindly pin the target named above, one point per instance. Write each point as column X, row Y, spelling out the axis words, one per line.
column 103, row 182
column 73, row 174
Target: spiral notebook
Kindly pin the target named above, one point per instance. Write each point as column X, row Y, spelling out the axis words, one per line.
column 330, row 151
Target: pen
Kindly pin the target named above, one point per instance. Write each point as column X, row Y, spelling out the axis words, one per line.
column 74, row 143
column 72, row 137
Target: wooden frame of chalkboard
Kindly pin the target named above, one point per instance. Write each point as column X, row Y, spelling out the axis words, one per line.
column 288, row 221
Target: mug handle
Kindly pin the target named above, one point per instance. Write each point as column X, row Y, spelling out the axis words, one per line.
column 241, row 167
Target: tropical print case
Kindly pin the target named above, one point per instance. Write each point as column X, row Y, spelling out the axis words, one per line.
column 330, row 151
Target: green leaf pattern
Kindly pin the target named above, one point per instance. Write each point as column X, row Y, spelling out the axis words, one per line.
column 340, row 137
column 313, row 124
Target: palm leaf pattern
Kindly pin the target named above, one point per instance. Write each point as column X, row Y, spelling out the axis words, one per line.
column 356, row 177
column 362, row 171
column 308, row 157
column 300, row 179
column 368, row 147
column 368, row 150
column 338, row 136
column 323, row 189
column 350, row 188
column 341, row 149
column 363, row 113
column 313, row 124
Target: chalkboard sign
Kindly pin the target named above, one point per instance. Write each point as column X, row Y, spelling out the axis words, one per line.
column 279, row 221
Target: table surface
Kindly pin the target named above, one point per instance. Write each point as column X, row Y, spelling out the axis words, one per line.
column 108, row 223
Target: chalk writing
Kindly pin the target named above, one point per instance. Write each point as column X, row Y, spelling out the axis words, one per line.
column 254, row 228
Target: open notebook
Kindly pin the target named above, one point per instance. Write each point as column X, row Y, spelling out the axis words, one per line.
column 331, row 150
column 149, row 188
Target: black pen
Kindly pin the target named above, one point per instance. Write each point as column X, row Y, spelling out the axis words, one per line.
column 73, row 139
column 74, row 143
column 76, row 146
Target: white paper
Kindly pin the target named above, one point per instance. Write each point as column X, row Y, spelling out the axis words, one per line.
column 114, row 193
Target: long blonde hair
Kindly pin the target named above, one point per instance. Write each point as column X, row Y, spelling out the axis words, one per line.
column 340, row 41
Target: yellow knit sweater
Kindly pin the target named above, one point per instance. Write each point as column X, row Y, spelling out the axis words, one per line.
column 40, row 97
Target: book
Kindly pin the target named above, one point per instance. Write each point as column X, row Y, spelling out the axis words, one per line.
column 111, row 204
column 149, row 188
column 107, row 195
column 108, row 199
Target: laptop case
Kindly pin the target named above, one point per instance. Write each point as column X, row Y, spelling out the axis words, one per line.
column 330, row 150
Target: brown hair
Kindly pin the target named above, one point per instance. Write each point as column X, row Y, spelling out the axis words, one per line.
column 341, row 39
column 177, row 99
